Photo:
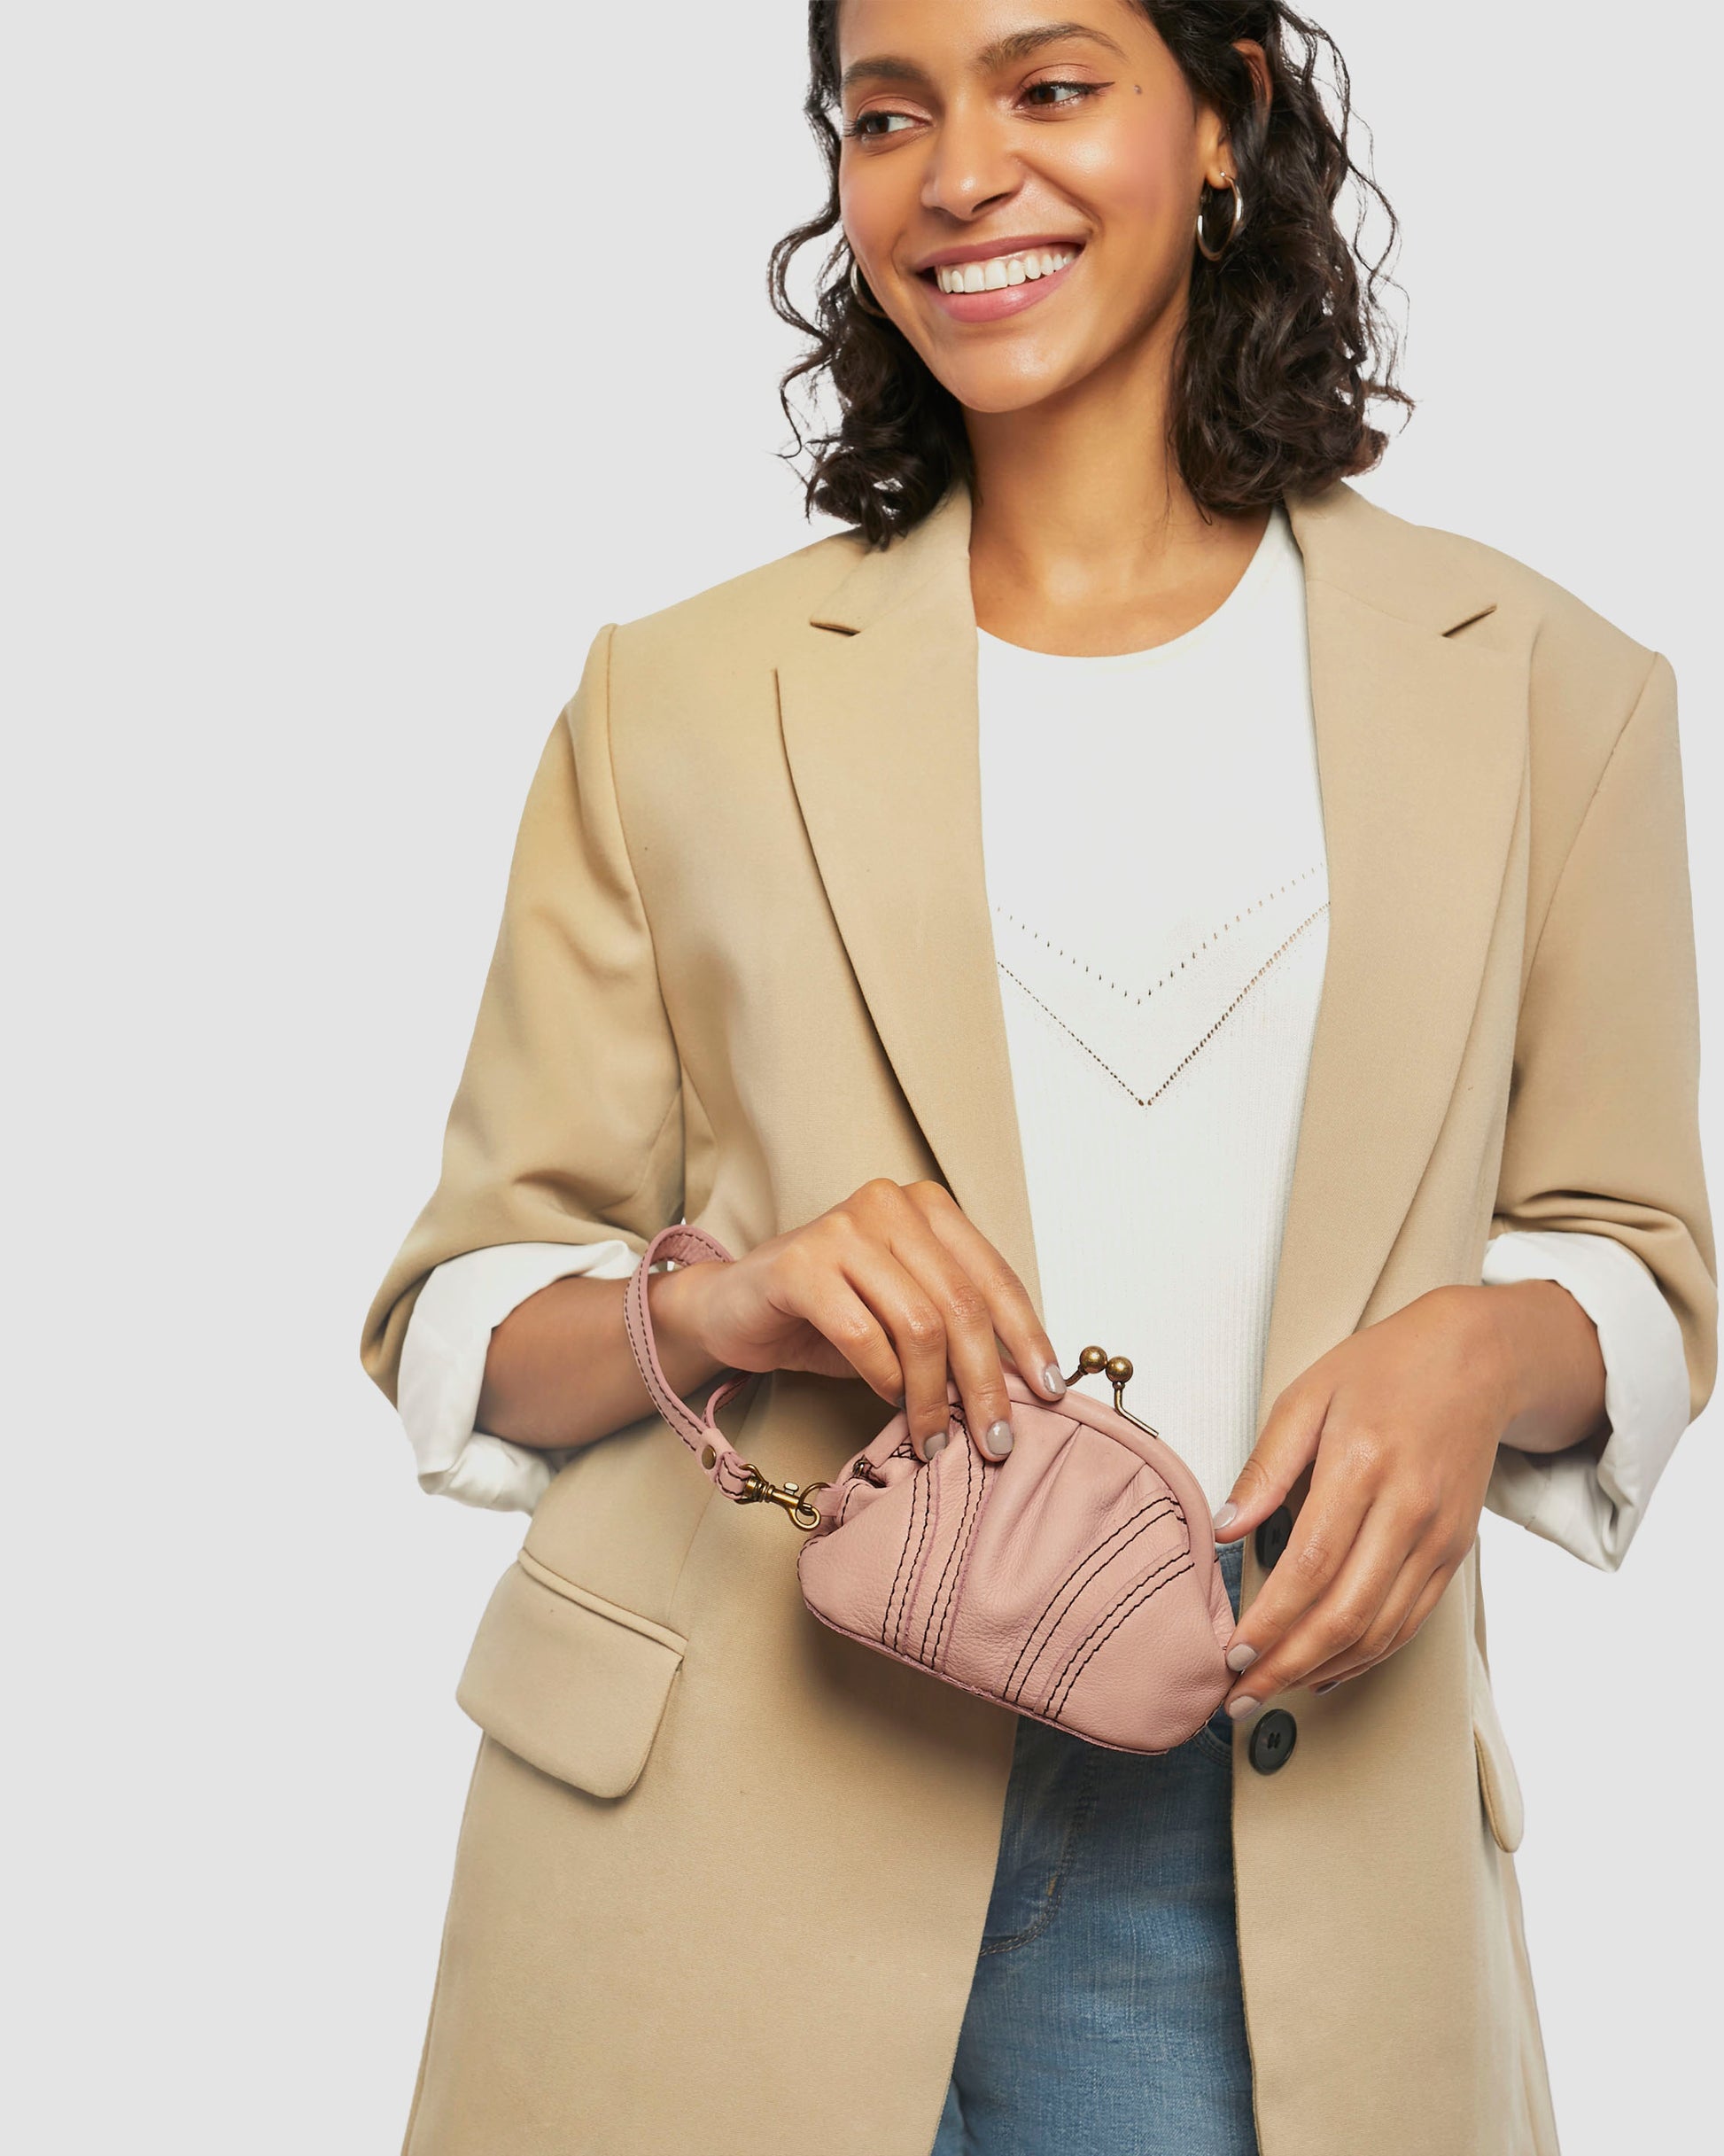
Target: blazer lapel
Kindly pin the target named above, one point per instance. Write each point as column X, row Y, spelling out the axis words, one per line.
column 878, row 705
column 1421, row 747
column 1421, row 756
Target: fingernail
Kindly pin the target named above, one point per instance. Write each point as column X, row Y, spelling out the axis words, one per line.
column 1317, row 1690
column 997, row 1437
column 936, row 1443
column 1241, row 1657
column 1052, row 1380
column 1241, row 1708
column 1225, row 1514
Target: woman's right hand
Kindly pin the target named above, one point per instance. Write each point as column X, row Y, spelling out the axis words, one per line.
column 893, row 1285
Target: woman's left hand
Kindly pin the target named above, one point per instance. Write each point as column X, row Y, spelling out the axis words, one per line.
column 1399, row 1426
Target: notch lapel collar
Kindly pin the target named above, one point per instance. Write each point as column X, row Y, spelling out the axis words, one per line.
column 1421, row 754
column 878, row 706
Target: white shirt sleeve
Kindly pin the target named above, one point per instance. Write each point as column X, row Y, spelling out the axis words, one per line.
column 443, row 1367
column 1593, row 1507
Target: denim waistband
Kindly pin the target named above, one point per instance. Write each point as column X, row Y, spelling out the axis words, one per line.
column 1231, row 1557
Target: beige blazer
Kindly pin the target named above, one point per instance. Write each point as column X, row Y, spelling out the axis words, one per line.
column 723, row 1875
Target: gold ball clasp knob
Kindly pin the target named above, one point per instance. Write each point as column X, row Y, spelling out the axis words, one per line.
column 1119, row 1369
column 1093, row 1360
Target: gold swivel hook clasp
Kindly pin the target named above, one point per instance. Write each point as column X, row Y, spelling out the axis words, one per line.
column 796, row 1499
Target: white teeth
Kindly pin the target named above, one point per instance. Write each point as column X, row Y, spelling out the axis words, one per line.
column 1003, row 270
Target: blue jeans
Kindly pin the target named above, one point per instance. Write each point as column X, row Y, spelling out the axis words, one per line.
column 1105, row 2018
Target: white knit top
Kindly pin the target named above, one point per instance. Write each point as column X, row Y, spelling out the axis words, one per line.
column 1160, row 971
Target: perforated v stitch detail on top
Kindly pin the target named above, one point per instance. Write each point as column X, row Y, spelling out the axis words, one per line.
column 1191, row 1054
column 1173, row 972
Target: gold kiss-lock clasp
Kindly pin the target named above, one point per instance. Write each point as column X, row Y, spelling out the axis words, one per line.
column 1117, row 1369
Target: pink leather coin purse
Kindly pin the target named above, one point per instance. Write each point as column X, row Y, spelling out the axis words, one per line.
column 1075, row 1581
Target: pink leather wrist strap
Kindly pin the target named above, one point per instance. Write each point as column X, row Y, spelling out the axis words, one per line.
column 719, row 1459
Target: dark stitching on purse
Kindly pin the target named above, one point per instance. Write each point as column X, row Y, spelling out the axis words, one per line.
column 940, row 1602
column 909, row 1530
column 984, row 1498
column 980, row 1691
column 1130, row 1611
column 929, row 1489
column 1139, row 1523
column 1064, row 1584
column 1021, row 1682
column 1154, row 1572
column 945, row 1570
column 1089, row 1557
column 982, row 1489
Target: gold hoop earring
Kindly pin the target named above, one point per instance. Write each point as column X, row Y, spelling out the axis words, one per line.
column 868, row 306
column 1214, row 254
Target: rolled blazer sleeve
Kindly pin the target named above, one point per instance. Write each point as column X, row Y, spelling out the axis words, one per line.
column 567, row 1126
column 1603, row 1133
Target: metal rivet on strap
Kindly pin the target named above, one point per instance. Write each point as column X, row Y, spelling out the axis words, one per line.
column 708, row 1457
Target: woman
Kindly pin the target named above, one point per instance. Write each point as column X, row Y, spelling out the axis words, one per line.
column 1128, row 889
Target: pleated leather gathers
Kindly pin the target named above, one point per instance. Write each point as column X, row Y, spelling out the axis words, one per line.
column 1076, row 1580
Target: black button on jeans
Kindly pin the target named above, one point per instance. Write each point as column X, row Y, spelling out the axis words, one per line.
column 1273, row 1536
column 1272, row 1740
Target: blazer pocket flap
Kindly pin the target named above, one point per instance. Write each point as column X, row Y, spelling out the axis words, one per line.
column 1499, row 1785
column 573, row 1684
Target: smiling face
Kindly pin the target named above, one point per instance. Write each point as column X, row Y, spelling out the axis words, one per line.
column 1020, row 185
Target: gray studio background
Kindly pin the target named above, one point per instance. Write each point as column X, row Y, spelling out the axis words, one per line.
column 361, row 362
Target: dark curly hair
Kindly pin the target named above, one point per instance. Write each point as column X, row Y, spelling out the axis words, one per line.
column 1286, row 346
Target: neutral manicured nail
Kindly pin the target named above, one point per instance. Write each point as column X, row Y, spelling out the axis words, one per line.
column 1241, row 1657
column 1225, row 1514
column 997, row 1437
column 1317, row 1690
column 1052, row 1380
column 1241, row 1708
column 936, row 1443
